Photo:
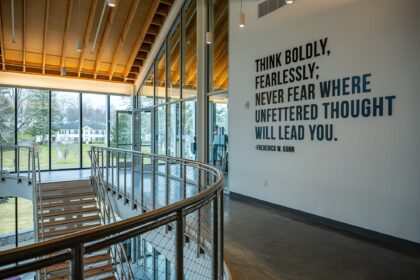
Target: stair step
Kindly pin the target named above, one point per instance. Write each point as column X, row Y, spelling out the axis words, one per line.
column 99, row 270
column 63, row 188
column 67, row 221
column 69, row 203
column 69, row 195
column 87, row 260
column 69, row 184
column 56, row 233
column 75, row 211
column 92, row 272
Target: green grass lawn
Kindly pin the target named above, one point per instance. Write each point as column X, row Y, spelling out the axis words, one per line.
column 58, row 161
column 7, row 216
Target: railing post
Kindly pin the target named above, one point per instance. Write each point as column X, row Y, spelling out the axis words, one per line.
column 141, row 181
column 179, row 257
column 167, row 173
column 184, row 181
column 125, row 176
column 112, row 171
column 76, row 265
column 29, row 164
column 1, row 164
column 221, row 233
column 17, row 163
column 118, row 175
column 107, row 168
column 132, row 180
column 152, row 158
column 215, row 237
column 198, row 213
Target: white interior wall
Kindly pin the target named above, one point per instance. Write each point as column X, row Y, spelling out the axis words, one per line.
column 370, row 176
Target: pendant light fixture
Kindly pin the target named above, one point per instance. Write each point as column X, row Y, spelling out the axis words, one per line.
column 209, row 38
column 112, row 3
column 12, row 7
column 79, row 45
column 241, row 18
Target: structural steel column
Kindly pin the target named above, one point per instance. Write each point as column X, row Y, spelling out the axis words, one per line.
column 201, row 81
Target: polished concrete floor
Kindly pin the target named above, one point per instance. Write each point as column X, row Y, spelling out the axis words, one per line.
column 264, row 243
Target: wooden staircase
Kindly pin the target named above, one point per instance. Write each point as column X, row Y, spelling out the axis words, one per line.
column 69, row 207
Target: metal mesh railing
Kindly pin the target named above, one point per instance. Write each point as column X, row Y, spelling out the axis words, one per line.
column 163, row 213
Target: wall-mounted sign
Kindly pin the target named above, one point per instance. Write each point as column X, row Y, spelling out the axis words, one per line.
column 293, row 103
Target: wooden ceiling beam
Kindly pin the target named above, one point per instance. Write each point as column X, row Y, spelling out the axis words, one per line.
column 124, row 33
column 24, row 35
column 142, row 34
column 104, row 39
column 3, row 61
column 44, row 40
column 88, row 30
column 66, row 31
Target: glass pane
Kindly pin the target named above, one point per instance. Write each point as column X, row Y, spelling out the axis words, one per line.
column 32, row 124
column 190, row 52
column 146, row 90
column 25, row 222
column 65, row 125
column 189, row 143
column 218, row 131
column 161, row 78
column 7, row 115
column 120, row 103
column 7, row 125
column 174, row 76
column 218, row 51
column 161, row 130
column 173, row 130
column 145, row 131
column 94, row 123
column 8, row 221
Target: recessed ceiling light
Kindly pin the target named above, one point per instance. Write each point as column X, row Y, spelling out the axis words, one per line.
column 290, row 1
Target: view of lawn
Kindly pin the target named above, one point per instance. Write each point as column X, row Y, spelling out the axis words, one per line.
column 7, row 214
column 62, row 156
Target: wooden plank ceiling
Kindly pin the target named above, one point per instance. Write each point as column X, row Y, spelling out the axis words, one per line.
column 46, row 31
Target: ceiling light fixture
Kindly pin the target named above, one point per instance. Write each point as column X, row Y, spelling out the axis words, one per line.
column 112, row 3
column 241, row 18
column 79, row 45
column 99, row 28
column 290, row 2
column 209, row 38
column 12, row 6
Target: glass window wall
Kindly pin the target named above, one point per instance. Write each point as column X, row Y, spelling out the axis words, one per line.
column 33, row 124
column 7, row 125
column 29, row 116
column 65, row 130
column 189, row 139
column 218, row 131
column 94, row 130
column 120, row 103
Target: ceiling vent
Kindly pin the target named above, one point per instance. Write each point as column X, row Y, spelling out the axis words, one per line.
column 269, row 6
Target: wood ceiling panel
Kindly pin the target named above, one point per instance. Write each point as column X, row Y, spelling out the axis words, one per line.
column 52, row 28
